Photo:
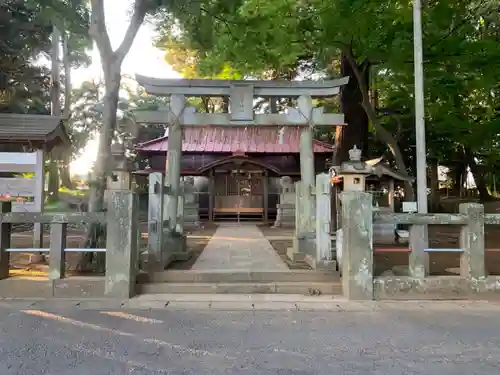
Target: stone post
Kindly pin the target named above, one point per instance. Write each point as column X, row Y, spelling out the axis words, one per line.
column 121, row 244
column 156, row 258
column 305, row 231
column 285, row 209
column 418, row 260
column 57, row 261
column 357, row 244
column 472, row 263
column 180, row 212
column 39, row 203
column 323, row 217
column 173, row 172
column 5, row 232
column 191, row 206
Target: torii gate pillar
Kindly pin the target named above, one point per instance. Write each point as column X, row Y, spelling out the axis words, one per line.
column 305, row 203
column 175, row 242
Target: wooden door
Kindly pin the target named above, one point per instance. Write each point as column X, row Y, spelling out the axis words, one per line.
column 238, row 193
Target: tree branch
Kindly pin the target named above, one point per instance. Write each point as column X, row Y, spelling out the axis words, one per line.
column 140, row 10
column 383, row 133
column 393, row 114
column 97, row 30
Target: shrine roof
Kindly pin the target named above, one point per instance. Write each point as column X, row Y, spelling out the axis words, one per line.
column 36, row 130
column 251, row 139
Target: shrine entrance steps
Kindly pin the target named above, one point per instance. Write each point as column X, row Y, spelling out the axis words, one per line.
column 239, row 259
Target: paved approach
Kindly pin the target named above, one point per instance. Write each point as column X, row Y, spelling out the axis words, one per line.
column 239, row 247
column 64, row 341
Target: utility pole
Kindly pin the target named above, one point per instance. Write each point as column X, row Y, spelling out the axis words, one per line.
column 419, row 259
column 421, row 150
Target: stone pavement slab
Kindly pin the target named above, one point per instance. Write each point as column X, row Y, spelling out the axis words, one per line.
column 237, row 247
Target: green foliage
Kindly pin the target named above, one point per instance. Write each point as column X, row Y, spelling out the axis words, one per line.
column 87, row 115
column 26, row 28
column 285, row 38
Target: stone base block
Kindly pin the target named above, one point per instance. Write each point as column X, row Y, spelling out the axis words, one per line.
column 38, row 287
column 320, row 265
column 436, row 288
column 294, row 256
column 37, row 258
column 191, row 214
column 300, row 288
column 305, row 244
column 183, row 256
column 174, row 243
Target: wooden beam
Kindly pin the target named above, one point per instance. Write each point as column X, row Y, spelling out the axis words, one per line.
column 208, row 87
column 292, row 118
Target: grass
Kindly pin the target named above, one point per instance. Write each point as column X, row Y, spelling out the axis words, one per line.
column 58, row 206
column 74, row 192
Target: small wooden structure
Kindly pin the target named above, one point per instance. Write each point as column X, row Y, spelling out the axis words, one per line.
column 24, row 139
column 20, row 132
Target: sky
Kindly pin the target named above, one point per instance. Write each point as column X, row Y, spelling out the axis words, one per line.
column 143, row 58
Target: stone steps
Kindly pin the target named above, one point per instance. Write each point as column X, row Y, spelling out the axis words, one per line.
column 301, row 288
column 228, row 276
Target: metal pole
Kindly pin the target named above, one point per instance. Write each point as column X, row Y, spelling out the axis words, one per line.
column 421, row 150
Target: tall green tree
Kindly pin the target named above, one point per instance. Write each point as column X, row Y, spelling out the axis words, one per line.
column 368, row 37
column 26, row 28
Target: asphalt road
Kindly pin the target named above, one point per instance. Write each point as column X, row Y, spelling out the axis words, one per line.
column 81, row 342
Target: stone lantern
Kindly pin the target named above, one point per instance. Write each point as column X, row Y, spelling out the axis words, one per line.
column 121, row 169
column 354, row 174
column 354, row 171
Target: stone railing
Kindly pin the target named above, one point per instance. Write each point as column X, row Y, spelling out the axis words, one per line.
column 357, row 263
column 121, row 252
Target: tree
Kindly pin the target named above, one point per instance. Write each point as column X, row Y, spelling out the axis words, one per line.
column 372, row 38
column 111, row 63
column 25, row 38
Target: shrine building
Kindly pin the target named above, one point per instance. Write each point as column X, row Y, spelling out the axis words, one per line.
column 237, row 170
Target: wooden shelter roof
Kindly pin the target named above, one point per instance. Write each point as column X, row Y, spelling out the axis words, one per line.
column 226, row 139
column 35, row 130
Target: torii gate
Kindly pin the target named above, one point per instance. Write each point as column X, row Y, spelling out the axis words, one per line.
column 242, row 94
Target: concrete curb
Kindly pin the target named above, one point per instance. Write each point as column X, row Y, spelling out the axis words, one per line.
column 248, row 303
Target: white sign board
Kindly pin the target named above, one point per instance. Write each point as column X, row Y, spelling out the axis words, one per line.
column 410, row 207
column 18, row 187
column 24, row 162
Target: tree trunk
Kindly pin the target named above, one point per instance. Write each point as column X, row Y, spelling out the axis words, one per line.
column 458, row 172
column 434, row 185
column 101, row 169
column 111, row 62
column 382, row 133
column 480, row 181
column 64, row 172
column 55, row 91
column 351, row 98
column 67, row 77
column 95, row 233
column 53, row 183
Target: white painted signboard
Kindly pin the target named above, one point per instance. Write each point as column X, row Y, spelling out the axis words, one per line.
column 24, row 162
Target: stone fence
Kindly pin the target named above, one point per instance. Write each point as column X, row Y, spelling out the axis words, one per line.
column 121, row 248
column 357, row 263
